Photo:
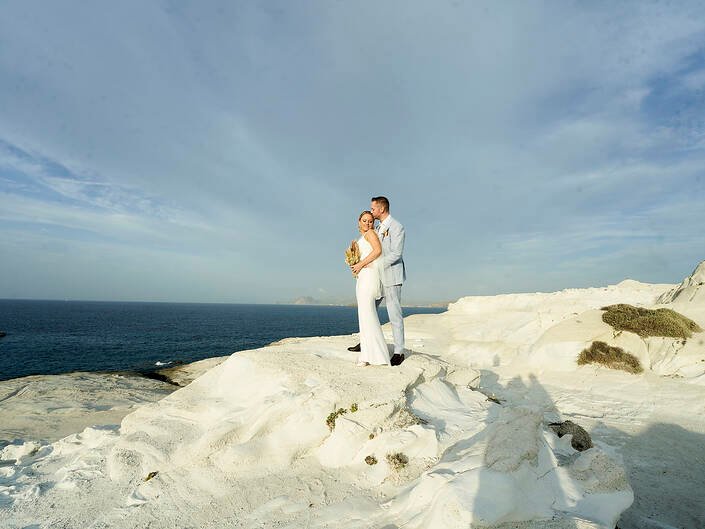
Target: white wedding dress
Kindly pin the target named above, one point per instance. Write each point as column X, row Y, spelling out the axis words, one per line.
column 373, row 348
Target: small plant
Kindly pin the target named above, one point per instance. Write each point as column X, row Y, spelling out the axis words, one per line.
column 371, row 460
column 609, row 356
column 372, row 436
column 353, row 407
column 397, row 461
column 648, row 322
column 151, row 475
column 406, row 418
column 330, row 421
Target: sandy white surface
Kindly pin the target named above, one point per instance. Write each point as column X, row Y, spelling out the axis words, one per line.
column 246, row 444
column 46, row 408
column 50, row 407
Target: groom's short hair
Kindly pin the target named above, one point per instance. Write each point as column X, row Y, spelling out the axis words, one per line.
column 382, row 201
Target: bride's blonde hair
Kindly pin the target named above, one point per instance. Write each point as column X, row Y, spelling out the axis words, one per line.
column 366, row 212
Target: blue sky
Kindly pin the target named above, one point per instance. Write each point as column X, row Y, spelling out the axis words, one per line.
column 221, row 151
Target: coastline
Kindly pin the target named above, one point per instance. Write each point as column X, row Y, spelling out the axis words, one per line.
column 488, row 376
column 53, row 338
column 47, row 408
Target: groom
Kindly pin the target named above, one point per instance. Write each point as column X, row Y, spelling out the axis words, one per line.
column 391, row 234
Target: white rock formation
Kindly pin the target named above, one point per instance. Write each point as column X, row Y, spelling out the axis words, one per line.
column 248, row 443
column 691, row 290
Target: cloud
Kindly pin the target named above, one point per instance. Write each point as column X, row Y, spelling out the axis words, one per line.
column 247, row 137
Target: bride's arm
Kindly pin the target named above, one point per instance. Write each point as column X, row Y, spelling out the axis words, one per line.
column 371, row 237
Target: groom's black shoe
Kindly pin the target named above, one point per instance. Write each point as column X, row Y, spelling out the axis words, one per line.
column 396, row 359
column 354, row 348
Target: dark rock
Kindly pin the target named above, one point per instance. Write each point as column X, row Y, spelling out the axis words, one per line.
column 156, row 375
column 581, row 439
column 2, row 334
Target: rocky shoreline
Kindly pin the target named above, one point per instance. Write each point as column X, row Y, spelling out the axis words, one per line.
column 49, row 407
column 491, row 421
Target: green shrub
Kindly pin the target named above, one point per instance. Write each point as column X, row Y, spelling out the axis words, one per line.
column 609, row 356
column 330, row 421
column 353, row 407
column 371, row 460
column 649, row 322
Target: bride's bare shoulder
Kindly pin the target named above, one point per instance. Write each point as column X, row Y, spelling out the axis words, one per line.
column 371, row 234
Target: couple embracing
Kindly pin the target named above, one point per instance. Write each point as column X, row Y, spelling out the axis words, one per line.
column 380, row 274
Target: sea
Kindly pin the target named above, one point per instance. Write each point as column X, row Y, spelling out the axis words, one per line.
column 53, row 337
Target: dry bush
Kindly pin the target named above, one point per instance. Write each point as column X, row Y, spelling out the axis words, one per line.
column 648, row 322
column 397, row 461
column 609, row 356
column 405, row 418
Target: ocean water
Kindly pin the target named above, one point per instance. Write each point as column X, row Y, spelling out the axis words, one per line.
column 51, row 337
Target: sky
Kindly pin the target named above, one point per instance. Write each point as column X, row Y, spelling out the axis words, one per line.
column 222, row 151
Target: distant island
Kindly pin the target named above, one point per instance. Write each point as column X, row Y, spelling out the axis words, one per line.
column 307, row 300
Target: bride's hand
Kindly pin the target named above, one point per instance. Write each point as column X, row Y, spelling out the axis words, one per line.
column 357, row 267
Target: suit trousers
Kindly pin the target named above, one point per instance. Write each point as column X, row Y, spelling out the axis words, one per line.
column 392, row 297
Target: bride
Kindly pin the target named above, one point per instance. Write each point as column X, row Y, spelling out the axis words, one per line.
column 373, row 348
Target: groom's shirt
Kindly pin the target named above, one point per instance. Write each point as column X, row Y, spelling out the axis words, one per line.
column 384, row 225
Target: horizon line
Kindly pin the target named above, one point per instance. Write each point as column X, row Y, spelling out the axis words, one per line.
column 65, row 300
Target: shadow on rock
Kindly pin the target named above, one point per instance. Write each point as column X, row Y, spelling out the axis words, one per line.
column 665, row 465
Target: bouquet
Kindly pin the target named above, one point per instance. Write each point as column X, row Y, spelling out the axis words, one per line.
column 352, row 255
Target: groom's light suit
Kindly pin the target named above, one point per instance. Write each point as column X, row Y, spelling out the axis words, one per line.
column 391, row 234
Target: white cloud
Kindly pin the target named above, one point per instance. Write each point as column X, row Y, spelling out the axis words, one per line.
column 255, row 133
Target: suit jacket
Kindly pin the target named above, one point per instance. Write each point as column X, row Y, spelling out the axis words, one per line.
column 392, row 238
